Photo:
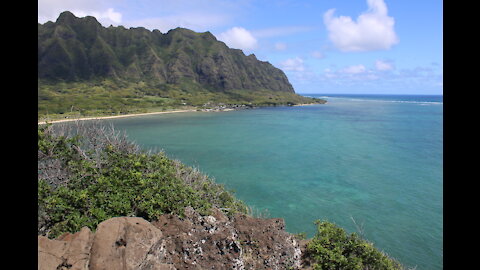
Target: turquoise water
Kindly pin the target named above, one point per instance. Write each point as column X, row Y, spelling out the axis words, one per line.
column 376, row 159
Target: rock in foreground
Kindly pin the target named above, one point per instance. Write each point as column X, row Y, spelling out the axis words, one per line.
column 193, row 242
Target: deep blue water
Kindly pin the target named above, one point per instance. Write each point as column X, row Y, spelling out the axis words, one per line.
column 377, row 159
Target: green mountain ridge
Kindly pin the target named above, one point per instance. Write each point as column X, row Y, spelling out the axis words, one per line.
column 81, row 48
column 78, row 58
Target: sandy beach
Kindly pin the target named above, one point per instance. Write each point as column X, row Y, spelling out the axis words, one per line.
column 141, row 114
column 115, row 116
column 306, row 104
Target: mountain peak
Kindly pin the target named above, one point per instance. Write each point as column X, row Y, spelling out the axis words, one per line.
column 66, row 17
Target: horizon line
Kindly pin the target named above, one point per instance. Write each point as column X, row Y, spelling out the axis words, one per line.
column 385, row 94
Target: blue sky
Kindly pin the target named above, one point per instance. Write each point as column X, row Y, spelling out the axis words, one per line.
column 324, row 46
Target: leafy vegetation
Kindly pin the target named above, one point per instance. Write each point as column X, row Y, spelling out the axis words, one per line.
column 332, row 248
column 89, row 173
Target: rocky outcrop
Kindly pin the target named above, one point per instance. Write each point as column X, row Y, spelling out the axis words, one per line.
column 171, row 242
column 70, row 251
column 125, row 243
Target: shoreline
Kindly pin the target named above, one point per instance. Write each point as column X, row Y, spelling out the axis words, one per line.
column 142, row 114
column 306, row 104
column 113, row 116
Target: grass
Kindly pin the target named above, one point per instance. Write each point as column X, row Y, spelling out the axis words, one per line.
column 107, row 97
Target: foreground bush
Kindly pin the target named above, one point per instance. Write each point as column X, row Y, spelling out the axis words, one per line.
column 332, row 248
column 88, row 173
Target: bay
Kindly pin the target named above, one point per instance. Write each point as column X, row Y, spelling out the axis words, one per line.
column 369, row 163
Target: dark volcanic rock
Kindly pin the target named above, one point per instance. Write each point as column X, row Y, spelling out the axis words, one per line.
column 171, row 242
column 266, row 243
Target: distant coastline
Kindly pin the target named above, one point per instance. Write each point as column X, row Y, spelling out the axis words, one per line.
column 114, row 116
column 306, row 104
column 217, row 109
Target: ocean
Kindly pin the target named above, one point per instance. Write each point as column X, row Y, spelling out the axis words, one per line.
column 372, row 164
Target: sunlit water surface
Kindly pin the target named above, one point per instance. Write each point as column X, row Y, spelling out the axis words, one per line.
column 374, row 159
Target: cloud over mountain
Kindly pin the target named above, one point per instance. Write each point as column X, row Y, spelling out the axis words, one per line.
column 293, row 64
column 238, row 38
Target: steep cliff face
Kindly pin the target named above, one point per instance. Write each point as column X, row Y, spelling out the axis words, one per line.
column 79, row 49
column 193, row 242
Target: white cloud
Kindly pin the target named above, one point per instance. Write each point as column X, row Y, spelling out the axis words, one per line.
column 238, row 38
column 318, row 54
column 371, row 76
column 195, row 21
column 110, row 16
column 279, row 31
column 350, row 73
column 329, row 74
column 280, row 46
column 372, row 31
column 360, row 78
column 354, row 69
column 198, row 15
column 293, row 64
column 383, row 65
column 103, row 11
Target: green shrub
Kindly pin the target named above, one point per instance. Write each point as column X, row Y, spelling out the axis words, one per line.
column 84, row 181
column 332, row 248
